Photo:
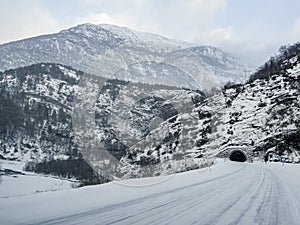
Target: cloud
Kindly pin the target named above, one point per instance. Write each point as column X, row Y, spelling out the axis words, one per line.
column 227, row 24
column 180, row 19
column 23, row 19
column 218, row 36
column 105, row 18
column 260, row 48
column 189, row 20
column 91, row 2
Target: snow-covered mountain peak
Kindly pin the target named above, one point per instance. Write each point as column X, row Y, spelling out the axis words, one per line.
column 137, row 36
column 90, row 30
column 82, row 46
column 129, row 36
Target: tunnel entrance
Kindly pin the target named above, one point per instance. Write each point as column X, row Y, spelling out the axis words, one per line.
column 238, row 156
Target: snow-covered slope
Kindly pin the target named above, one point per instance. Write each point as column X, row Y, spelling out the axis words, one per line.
column 14, row 182
column 261, row 116
column 154, row 41
column 37, row 108
column 83, row 46
column 219, row 65
column 258, row 117
column 36, row 103
column 229, row 193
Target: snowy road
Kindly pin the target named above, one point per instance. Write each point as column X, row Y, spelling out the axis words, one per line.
column 231, row 193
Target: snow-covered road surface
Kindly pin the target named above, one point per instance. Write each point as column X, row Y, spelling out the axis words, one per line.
column 231, row 193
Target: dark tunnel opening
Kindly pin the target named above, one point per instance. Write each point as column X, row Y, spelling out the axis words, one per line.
column 238, row 156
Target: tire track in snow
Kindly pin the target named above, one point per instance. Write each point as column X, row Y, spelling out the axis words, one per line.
column 188, row 204
column 285, row 196
column 131, row 206
column 267, row 211
column 179, row 205
column 233, row 210
column 252, row 194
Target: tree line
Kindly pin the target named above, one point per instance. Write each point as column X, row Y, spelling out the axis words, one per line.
column 279, row 63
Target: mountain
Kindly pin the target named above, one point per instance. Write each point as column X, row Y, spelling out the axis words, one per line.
column 219, row 65
column 35, row 112
column 260, row 116
column 85, row 46
column 70, row 123
column 44, row 118
column 55, row 116
column 254, row 119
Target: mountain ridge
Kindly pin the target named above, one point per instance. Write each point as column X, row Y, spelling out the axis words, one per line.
column 83, row 46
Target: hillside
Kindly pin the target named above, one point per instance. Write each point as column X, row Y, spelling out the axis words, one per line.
column 260, row 116
column 42, row 119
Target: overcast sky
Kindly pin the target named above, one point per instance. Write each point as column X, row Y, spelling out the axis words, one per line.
column 254, row 28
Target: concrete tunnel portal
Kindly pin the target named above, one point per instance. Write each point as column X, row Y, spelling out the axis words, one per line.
column 238, row 156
